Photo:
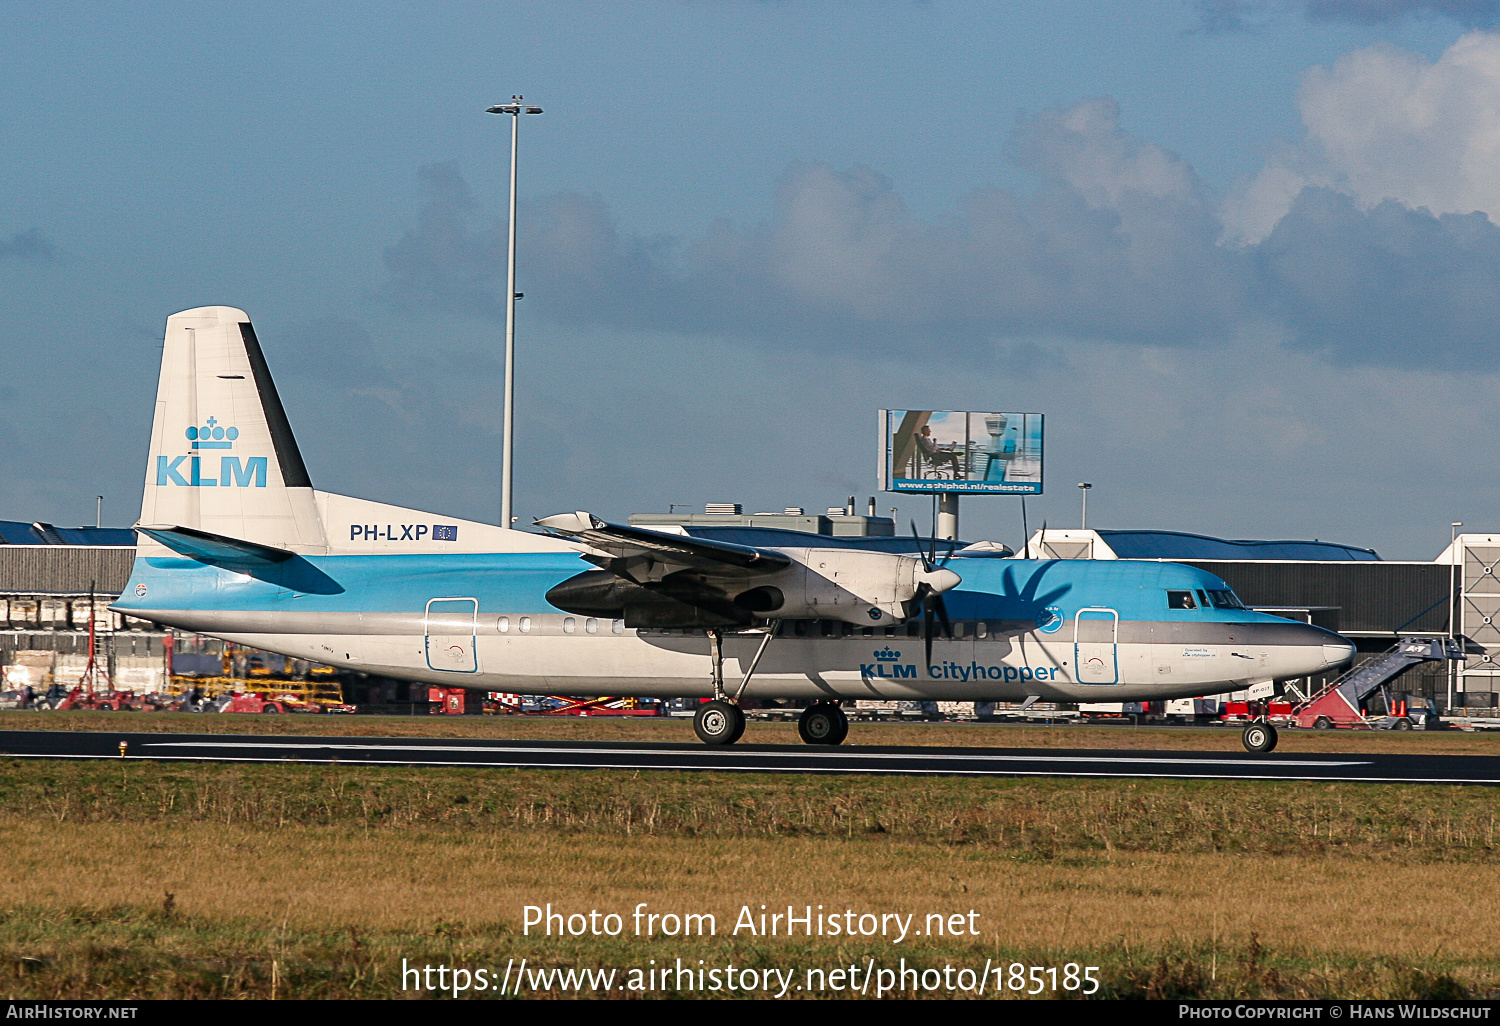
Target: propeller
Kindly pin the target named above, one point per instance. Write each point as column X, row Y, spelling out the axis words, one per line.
column 933, row 579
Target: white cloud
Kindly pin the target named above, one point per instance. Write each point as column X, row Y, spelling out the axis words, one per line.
column 1387, row 124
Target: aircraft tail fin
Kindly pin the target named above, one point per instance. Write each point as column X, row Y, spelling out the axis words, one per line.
column 223, row 459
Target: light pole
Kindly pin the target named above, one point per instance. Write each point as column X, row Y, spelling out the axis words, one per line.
column 1084, row 487
column 1452, row 605
column 515, row 108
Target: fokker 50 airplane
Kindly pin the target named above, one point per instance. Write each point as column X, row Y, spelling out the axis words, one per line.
column 236, row 543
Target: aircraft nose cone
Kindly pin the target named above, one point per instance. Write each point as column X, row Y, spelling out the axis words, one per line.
column 1333, row 655
column 942, row 579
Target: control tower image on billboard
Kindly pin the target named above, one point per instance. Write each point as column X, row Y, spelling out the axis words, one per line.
column 947, row 451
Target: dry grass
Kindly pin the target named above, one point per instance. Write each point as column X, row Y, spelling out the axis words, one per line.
column 681, row 730
column 336, row 873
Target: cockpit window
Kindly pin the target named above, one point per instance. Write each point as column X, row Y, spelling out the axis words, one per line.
column 1202, row 598
column 1180, row 600
column 1225, row 599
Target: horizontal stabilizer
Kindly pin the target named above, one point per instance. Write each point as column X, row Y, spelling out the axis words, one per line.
column 215, row 549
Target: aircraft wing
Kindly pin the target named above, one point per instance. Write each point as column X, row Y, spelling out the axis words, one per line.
column 641, row 554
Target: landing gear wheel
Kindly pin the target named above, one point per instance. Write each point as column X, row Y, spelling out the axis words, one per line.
column 1322, row 723
column 718, row 723
column 1260, row 738
column 823, row 723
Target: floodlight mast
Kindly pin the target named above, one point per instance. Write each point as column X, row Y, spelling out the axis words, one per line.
column 1454, row 605
column 515, row 108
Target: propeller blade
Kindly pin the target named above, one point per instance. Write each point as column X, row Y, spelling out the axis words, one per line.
column 932, row 555
column 927, row 630
column 917, row 537
column 942, row 612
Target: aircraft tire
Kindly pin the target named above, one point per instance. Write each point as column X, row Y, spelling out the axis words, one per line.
column 843, row 731
column 1259, row 738
column 718, row 723
column 739, row 723
column 823, row 723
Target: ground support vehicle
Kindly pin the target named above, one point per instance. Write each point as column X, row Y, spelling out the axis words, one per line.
column 239, row 702
column 1273, row 712
column 1340, row 703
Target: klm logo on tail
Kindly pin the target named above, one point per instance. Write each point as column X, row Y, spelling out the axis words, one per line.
column 188, row 471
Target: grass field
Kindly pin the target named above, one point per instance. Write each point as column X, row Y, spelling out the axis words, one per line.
column 141, row 880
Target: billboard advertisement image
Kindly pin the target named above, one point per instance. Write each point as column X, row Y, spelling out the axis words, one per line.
column 948, row 451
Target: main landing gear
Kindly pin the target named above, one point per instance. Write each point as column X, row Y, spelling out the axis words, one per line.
column 1260, row 738
column 719, row 722
column 823, row 723
column 722, row 721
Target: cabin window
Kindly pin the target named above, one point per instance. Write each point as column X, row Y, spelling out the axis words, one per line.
column 867, row 632
column 569, row 625
column 617, row 626
column 504, row 624
column 525, row 624
column 981, row 629
column 958, row 629
column 1180, row 600
column 591, row 625
column 799, row 628
column 829, row 628
column 890, row 632
column 1225, row 599
column 913, row 629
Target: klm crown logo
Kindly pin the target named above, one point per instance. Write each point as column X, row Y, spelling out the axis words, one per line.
column 887, row 666
column 193, row 472
column 212, row 436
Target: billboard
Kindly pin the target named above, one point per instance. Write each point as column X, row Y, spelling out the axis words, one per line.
column 974, row 453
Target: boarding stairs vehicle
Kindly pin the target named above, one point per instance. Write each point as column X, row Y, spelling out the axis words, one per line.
column 1338, row 703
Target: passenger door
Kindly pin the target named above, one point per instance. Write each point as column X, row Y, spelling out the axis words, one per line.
column 1096, row 633
column 449, row 626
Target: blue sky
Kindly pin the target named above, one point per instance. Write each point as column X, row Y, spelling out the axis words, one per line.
column 1242, row 254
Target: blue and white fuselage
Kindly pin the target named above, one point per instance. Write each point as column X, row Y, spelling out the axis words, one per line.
column 235, row 543
column 1058, row 629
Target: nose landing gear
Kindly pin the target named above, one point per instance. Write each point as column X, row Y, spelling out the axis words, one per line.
column 1260, row 738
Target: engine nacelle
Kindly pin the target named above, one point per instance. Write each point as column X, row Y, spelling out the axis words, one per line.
column 872, row 589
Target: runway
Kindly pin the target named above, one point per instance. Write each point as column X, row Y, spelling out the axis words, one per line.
column 846, row 759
